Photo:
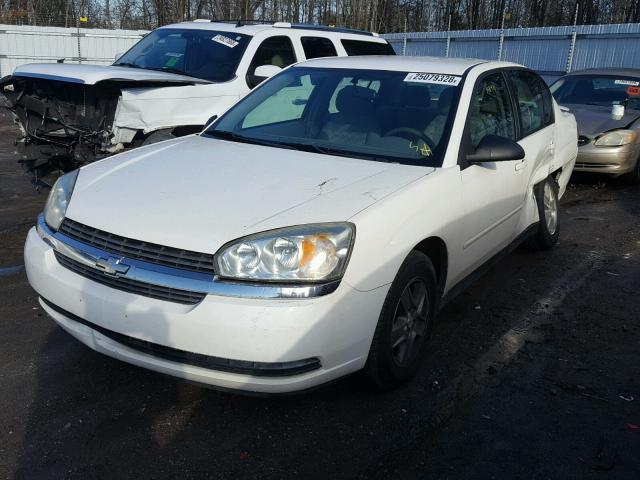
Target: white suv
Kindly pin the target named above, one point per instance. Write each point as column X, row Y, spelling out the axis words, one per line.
column 313, row 230
column 171, row 83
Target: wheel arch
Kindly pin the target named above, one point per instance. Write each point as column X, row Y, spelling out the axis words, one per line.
column 436, row 249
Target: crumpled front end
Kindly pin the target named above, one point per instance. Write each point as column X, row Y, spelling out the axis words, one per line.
column 63, row 125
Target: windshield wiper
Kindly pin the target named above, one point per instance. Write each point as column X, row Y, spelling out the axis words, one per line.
column 169, row 69
column 303, row 147
column 126, row 64
column 226, row 135
column 310, row 147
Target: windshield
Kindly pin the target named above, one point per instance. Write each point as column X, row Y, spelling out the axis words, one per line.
column 203, row 54
column 399, row 117
column 602, row 90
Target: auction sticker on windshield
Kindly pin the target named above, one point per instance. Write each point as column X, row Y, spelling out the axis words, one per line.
column 437, row 78
column 627, row 82
column 225, row 41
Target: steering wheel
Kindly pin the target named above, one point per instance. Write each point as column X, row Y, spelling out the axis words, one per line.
column 411, row 134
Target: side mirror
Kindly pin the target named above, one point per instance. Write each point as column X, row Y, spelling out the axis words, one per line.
column 261, row 73
column 117, row 56
column 266, row 71
column 210, row 121
column 493, row 148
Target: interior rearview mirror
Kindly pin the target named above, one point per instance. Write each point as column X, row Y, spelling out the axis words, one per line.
column 493, row 148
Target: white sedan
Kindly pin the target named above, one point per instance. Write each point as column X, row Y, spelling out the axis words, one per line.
column 312, row 231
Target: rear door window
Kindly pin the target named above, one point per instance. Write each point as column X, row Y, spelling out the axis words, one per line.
column 359, row 47
column 315, row 47
column 534, row 100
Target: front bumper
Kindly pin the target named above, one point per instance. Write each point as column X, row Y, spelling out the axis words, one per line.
column 610, row 160
column 334, row 329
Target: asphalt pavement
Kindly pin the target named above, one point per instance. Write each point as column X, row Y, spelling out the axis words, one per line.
column 534, row 372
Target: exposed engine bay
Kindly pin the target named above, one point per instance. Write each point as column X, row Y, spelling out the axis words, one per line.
column 63, row 125
column 70, row 115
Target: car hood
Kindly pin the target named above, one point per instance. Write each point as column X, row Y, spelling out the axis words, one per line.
column 197, row 193
column 594, row 119
column 92, row 74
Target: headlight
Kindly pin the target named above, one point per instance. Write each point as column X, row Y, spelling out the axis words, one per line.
column 616, row 138
column 58, row 201
column 307, row 253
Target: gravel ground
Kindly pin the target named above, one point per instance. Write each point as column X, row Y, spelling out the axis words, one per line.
column 534, row 372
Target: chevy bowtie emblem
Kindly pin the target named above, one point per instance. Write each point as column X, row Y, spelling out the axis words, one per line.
column 112, row 266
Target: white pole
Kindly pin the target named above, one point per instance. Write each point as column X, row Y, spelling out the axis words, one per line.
column 78, row 34
column 572, row 47
column 500, row 45
column 404, row 41
column 446, row 51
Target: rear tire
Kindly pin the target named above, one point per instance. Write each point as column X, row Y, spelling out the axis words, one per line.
column 404, row 327
column 546, row 236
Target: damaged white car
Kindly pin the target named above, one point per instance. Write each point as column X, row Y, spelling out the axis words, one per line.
column 171, row 83
column 274, row 253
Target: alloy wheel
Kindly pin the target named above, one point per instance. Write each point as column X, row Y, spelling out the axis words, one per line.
column 409, row 325
column 550, row 208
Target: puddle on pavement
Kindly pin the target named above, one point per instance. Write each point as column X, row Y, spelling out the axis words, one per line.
column 6, row 271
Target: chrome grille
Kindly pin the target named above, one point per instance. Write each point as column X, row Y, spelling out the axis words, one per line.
column 137, row 249
column 131, row 286
column 582, row 140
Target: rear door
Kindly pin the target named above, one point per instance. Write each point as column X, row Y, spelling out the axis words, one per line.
column 536, row 118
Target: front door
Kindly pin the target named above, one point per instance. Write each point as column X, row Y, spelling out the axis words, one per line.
column 493, row 192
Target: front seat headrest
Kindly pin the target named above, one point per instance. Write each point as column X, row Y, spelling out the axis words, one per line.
column 354, row 99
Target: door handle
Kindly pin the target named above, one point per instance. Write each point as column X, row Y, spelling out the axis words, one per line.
column 520, row 165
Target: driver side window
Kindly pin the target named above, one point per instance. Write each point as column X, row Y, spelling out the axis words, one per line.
column 491, row 110
column 276, row 51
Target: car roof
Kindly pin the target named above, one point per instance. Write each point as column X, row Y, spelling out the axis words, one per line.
column 451, row 66
column 628, row 72
column 254, row 29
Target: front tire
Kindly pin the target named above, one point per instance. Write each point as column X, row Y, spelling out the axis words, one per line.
column 404, row 327
column 633, row 177
column 548, row 232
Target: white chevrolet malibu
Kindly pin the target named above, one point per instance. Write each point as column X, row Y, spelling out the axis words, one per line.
column 313, row 230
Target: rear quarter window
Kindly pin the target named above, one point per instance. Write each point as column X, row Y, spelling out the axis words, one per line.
column 360, row 47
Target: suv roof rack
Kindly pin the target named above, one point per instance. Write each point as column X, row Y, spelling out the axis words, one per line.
column 329, row 28
column 241, row 22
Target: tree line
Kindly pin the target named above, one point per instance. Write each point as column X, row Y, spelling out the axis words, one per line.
column 377, row 15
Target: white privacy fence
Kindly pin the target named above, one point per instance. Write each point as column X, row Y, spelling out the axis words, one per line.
column 27, row 44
